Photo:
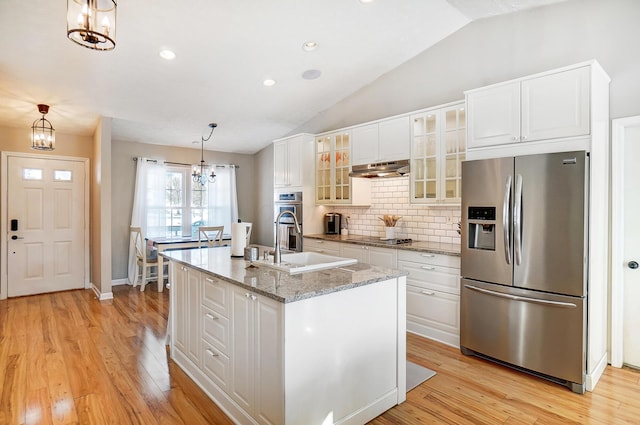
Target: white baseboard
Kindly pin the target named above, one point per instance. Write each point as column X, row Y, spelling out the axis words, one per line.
column 593, row 377
column 123, row 281
column 102, row 296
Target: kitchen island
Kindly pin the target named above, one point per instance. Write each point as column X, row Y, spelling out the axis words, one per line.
column 322, row 347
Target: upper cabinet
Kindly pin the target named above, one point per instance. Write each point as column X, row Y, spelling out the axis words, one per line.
column 290, row 155
column 386, row 140
column 333, row 163
column 553, row 105
column 437, row 150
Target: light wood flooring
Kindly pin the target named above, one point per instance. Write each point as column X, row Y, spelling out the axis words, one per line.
column 68, row 358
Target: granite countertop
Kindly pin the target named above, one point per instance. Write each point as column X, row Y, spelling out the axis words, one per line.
column 280, row 286
column 420, row 246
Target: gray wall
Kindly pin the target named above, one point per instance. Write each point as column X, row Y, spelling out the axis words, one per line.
column 123, row 181
column 500, row 48
column 264, row 197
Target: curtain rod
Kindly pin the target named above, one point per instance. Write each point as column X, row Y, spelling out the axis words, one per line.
column 135, row 158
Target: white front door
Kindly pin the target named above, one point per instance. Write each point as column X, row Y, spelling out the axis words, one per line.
column 625, row 337
column 45, row 225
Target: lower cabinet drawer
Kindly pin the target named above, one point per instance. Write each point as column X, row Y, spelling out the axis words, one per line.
column 215, row 365
column 443, row 279
column 215, row 294
column 434, row 314
column 215, row 329
column 323, row 247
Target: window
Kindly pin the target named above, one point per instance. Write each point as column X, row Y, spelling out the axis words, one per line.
column 176, row 206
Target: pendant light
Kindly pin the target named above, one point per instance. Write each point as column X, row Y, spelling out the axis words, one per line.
column 92, row 23
column 199, row 174
column 43, row 135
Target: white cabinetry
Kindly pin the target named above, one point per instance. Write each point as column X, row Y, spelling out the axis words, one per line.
column 437, row 150
column 386, row 140
column 215, row 330
column 187, row 328
column 383, row 257
column 554, row 105
column 332, row 165
column 232, row 339
column 322, row 247
column 433, row 295
column 256, row 350
column 288, row 160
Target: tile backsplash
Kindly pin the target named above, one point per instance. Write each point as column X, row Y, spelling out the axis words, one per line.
column 418, row 222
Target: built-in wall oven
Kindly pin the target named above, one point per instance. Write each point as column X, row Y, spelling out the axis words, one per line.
column 291, row 201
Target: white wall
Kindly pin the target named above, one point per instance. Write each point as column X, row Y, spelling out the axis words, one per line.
column 501, row 48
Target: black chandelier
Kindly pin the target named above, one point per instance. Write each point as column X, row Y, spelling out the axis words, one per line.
column 92, row 23
column 43, row 135
column 199, row 174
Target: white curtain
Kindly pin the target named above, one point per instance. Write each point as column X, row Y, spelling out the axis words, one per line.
column 223, row 198
column 149, row 188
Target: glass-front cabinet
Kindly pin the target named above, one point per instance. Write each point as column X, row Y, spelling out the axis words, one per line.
column 333, row 163
column 437, row 151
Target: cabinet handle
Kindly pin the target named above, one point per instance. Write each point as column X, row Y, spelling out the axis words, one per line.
column 515, row 138
column 428, row 255
column 427, row 268
column 211, row 353
column 211, row 316
column 253, row 297
column 208, row 279
column 524, row 137
column 247, row 295
column 184, row 269
column 427, row 293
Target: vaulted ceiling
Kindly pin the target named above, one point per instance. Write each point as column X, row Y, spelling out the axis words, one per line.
column 224, row 51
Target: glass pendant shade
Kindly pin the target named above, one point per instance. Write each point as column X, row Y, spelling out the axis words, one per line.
column 43, row 135
column 92, row 23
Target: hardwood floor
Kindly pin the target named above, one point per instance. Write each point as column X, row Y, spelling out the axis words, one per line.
column 67, row 358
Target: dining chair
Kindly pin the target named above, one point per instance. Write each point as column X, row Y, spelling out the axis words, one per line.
column 145, row 259
column 211, row 235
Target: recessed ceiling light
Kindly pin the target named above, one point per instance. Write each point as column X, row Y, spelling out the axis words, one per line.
column 269, row 82
column 309, row 46
column 365, row 1
column 311, row 74
column 167, row 54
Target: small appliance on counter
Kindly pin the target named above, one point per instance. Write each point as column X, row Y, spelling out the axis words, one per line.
column 332, row 223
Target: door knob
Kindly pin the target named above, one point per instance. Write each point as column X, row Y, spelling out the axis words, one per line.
column 633, row 264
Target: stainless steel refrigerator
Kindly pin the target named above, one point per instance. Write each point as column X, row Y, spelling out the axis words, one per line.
column 524, row 263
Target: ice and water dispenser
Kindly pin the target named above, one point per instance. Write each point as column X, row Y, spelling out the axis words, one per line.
column 482, row 228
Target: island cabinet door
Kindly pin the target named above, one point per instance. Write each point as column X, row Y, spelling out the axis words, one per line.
column 186, row 301
column 179, row 333
column 269, row 359
column 242, row 370
column 257, row 382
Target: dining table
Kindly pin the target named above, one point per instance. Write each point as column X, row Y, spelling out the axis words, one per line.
column 178, row 242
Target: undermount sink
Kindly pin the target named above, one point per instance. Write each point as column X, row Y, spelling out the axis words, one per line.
column 299, row 262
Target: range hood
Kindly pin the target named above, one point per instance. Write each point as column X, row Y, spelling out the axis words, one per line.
column 381, row 169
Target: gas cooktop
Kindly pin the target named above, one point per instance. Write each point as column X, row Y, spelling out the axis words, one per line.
column 373, row 239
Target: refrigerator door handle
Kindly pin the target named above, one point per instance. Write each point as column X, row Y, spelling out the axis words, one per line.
column 517, row 221
column 505, row 220
column 519, row 298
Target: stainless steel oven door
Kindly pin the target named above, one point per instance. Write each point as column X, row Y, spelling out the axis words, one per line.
column 296, row 209
column 289, row 238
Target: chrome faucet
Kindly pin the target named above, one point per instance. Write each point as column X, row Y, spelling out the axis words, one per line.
column 276, row 251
